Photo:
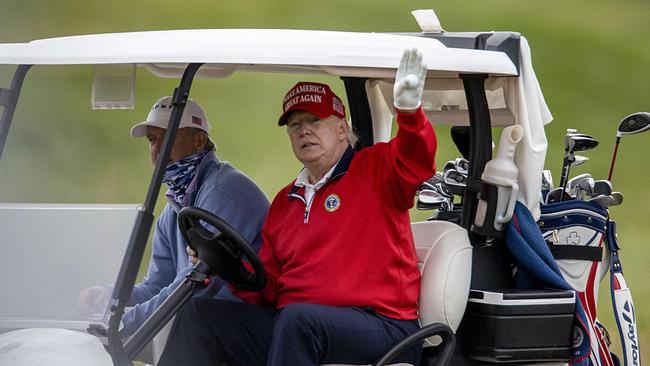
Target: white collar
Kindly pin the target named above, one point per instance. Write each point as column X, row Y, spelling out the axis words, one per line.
column 303, row 178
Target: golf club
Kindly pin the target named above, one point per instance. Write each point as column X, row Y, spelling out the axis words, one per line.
column 557, row 195
column 574, row 143
column 444, row 190
column 585, row 187
column 431, row 182
column 579, row 160
column 603, row 187
column 607, row 201
column 462, row 165
column 630, row 125
column 575, row 182
column 450, row 165
column 430, row 200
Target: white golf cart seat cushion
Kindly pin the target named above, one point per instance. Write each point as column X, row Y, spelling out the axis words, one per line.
column 445, row 260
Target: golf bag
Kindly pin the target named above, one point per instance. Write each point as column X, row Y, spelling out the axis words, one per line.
column 565, row 249
column 583, row 242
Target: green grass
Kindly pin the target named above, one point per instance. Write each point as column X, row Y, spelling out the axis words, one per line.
column 592, row 60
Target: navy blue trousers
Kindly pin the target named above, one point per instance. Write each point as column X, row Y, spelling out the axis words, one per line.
column 215, row 332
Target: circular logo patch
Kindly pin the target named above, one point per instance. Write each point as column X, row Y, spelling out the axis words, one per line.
column 578, row 337
column 332, row 203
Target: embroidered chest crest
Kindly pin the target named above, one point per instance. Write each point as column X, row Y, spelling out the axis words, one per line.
column 332, row 203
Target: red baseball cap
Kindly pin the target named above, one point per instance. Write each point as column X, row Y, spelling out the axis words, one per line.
column 315, row 98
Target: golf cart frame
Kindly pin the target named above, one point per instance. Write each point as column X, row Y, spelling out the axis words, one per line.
column 497, row 55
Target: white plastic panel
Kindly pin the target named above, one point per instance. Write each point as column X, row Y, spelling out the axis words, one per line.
column 50, row 253
column 444, row 102
column 268, row 50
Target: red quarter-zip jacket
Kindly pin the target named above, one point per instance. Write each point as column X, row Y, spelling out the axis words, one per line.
column 353, row 245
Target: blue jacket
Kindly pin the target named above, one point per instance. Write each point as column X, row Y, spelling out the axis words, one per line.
column 220, row 188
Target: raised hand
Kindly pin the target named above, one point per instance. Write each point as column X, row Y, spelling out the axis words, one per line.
column 409, row 81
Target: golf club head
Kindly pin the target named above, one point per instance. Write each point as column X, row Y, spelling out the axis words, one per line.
column 454, row 177
column 603, row 187
column 606, row 201
column 462, row 165
column 575, row 181
column 557, row 195
column 585, row 188
column 581, row 143
column 426, row 185
column 634, row 123
column 572, row 132
column 618, row 196
column 431, row 182
column 444, row 190
column 450, row 165
column 456, row 182
column 429, row 200
column 579, row 160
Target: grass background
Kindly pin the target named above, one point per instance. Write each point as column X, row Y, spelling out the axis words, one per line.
column 592, row 60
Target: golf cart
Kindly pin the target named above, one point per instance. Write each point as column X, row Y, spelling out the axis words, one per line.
column 469, row 310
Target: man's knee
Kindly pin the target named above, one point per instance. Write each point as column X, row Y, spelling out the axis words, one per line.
column 299, row 317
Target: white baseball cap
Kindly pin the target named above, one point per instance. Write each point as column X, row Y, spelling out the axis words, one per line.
column 193, row 116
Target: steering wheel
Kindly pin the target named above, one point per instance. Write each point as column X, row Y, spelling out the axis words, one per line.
column 223, row 252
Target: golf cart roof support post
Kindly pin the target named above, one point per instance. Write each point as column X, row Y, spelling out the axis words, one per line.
column 480, row 143
column 355, row 90
column 9, row 100
column 144, row 221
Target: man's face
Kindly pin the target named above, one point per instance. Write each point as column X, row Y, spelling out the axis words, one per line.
column 185, row 144
column 315, row 140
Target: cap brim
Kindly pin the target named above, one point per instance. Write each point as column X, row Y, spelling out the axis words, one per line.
column 283, row 118
column 140, row 129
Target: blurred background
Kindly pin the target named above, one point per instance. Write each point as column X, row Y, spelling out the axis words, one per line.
column 592, row 60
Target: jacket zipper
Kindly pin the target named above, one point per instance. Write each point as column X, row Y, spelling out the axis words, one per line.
column 308, row 207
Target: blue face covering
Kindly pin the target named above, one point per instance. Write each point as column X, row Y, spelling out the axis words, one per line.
column 179, row 174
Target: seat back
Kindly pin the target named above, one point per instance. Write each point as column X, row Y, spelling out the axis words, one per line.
column 445, row 259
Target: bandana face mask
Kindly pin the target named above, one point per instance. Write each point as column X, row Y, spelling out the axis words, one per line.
column 179, row 174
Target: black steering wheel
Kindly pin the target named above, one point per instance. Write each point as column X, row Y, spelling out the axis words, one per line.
column 223, row 252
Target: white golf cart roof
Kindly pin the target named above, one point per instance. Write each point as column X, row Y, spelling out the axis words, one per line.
column 166, row 53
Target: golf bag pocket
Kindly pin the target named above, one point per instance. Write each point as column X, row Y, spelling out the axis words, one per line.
column 574, row 232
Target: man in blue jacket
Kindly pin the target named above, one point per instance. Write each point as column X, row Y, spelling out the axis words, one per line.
column 195, row 177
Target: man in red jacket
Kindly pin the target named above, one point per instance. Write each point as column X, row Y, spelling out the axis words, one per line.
column 338, row 250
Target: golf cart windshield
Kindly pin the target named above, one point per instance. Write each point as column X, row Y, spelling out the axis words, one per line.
column 54, row 252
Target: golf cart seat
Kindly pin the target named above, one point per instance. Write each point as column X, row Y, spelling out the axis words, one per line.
column 445, row 261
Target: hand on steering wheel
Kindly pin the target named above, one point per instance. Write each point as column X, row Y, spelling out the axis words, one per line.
column 223, row 252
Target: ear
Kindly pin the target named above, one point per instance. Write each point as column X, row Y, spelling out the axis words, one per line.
column 200, row 139
column 343, row 129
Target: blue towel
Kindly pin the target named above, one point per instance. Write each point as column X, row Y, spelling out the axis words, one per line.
column 536, row 268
